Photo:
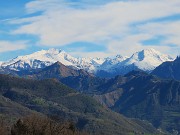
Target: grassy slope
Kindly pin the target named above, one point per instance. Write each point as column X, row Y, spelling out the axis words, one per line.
column 53, row 98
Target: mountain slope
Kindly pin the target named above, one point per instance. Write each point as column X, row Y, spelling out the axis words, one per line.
column 53, row 98
column 168, row 70
column 12, row 110
column 144, row 96
column 58, row 71
column 80, row 79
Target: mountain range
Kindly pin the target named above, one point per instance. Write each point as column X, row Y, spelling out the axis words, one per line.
column 136, row 94
column 94, row 92
column 145, row 60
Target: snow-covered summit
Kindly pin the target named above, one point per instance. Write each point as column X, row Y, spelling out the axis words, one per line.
column 110, row 62
column 147, row 59
column 150, row 54
column 39, row 59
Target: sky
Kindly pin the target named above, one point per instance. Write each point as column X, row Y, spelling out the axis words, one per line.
column 83, row 28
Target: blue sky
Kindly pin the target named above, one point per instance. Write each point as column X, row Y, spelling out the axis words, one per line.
column 89, row 28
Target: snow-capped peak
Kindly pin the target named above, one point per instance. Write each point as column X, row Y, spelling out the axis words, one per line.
column 145, row 60
column 47, row 57
column 110, row 62
column 150, row 54
column 148, row 59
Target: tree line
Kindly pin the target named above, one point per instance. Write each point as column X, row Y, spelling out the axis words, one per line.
column 39, row 125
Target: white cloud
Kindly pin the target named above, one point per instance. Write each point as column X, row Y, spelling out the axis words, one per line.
column 61, row 24
column 6, row 46
column 170, row 30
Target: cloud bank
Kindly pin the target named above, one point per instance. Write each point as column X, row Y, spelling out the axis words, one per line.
column 120, row 26
column 6, row 46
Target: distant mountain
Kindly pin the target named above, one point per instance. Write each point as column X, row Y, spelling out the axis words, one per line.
column 139, row 95
column 59, row 71
column 44, row 58
column 110, row 62
column 145, row 60
column 108, row 69
column 50, row 97
column 168, row 70
column 78, row 79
